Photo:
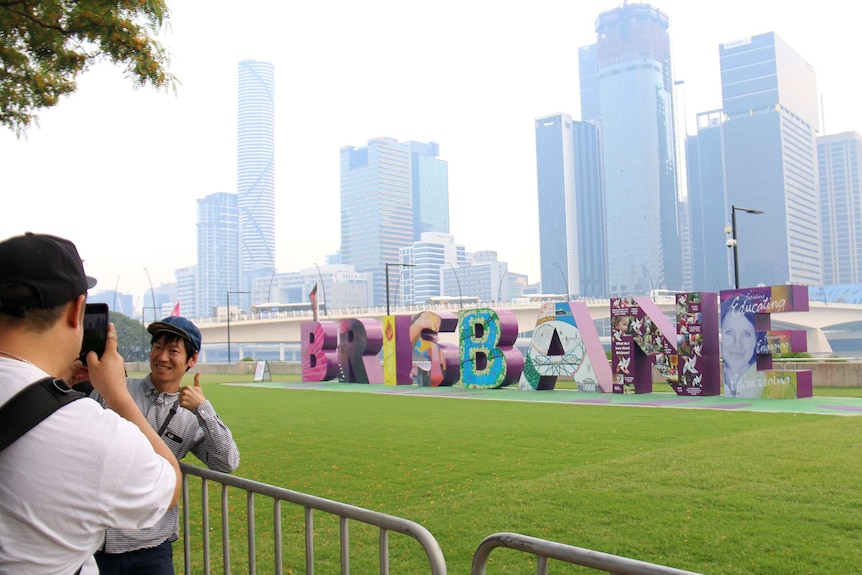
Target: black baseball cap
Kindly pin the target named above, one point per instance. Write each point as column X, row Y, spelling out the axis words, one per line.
column 49, row 265
column 178, row 325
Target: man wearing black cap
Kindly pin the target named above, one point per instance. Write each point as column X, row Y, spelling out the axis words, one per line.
column 48, row 524
column 186, row 421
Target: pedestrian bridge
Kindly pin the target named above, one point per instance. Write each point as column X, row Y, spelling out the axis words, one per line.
column 284, row 327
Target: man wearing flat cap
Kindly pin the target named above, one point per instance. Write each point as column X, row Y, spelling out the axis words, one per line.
column 82, row 469
column 186, row 422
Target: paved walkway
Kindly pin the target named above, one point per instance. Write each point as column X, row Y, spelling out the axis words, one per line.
column 813, row 405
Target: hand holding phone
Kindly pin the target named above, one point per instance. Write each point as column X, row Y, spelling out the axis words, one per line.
column 95, row 330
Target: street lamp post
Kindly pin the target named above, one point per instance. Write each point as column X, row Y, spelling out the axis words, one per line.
column 155, row 312
column 269, row 294
column 228, row 320
column 565, row 279
column 386, row 266
column 457, row 281
column 323, row 289
column 116, row 285
column 397, row 290
column 152, row 293
column 649, row 275
column 732, row 243
column 144, row 331
column 585, row 287
column 500, row 286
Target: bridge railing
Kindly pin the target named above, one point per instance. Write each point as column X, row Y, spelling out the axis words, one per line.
column 380, row 310
column 385, row 523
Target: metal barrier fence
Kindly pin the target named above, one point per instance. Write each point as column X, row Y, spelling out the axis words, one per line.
column 544, row 550
column 541, row 548
column 310, row 503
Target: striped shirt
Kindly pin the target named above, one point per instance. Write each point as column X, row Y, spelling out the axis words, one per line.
column 201, row 432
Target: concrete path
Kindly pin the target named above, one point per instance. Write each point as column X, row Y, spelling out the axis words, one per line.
column 812, row 405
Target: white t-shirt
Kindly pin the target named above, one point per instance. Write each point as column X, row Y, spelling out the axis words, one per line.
column 78, row 472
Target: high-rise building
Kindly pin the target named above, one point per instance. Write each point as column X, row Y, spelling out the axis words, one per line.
column 769, row 100
column 379, row 199
column 256, row 172
column 627, row 88
column 555, row 172
column 588, row 74
column 591, row 239
column 420, row 281
column 117, row 301
column 681, row 132
column 708, row 210
column 839, row 158
column 482, row 277
column 430, row 189
column 572, row 234
column 187, row 290
column 218, row 252
column 515, row 285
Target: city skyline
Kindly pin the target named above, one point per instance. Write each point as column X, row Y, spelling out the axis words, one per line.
column 118, row 170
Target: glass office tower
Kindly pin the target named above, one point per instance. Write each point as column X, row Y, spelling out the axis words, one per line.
column 769, row 99
column 627, row 88
column 572, row 230
column 376, row 208
column 389, row 190
column 839, row 161
column 430, row 189
column 256, row 172
column 433, row 252
column 591, row 239
column 218, row 252
column 711, row 265
column 555, row 173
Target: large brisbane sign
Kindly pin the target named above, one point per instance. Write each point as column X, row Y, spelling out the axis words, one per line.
column 690, row 355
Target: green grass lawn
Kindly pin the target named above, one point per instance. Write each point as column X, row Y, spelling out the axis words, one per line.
column 703, row 490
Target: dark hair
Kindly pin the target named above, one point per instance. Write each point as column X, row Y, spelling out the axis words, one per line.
column 37, row 320
column 168, row 338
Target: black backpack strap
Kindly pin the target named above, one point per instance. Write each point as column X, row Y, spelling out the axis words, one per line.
column 31, row 405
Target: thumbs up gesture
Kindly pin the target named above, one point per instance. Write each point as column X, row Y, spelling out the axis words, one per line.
column 192, row 396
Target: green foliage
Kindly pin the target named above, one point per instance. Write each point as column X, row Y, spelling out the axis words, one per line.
column 44, row 45
column 707, row 491
column 530, row 372
column 133, row 341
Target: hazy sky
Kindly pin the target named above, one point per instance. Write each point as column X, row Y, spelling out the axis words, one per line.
column 119, row 170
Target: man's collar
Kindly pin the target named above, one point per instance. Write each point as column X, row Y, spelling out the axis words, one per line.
column 152, row 390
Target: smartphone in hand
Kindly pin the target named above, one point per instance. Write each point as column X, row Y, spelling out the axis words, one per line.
column 95, row 330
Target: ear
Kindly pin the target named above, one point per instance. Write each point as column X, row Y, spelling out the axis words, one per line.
column 192, row 361
column 75, row 311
